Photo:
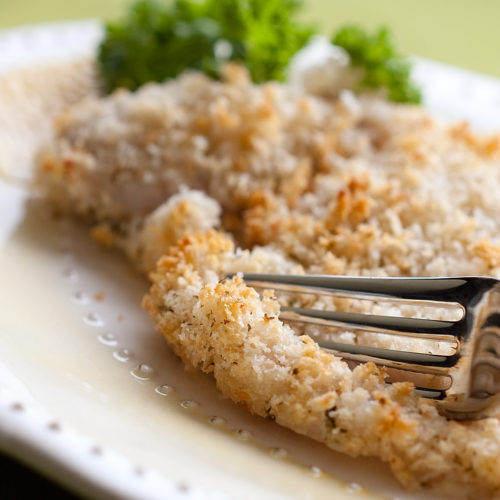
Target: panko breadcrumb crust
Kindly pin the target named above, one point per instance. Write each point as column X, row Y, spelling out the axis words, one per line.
column 226, row 329
column 302, row 184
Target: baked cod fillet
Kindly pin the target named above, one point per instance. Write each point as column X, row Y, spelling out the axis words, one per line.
column 224, row 328
column 214, row 177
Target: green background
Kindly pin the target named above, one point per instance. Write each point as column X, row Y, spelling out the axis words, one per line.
column 461, row 32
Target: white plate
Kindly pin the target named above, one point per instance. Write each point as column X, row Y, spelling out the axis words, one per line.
column 93, row 397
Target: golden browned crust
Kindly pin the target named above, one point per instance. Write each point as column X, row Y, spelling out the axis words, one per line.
column 226, row 329
column 372, row 189
column 307, row 185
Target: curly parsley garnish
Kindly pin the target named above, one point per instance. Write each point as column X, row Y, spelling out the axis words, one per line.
column 158, row 41
column 383, row 66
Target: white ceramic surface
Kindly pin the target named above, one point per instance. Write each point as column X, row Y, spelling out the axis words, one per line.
column 92, row 396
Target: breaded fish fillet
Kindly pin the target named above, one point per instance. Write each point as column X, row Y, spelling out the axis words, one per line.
column 302, row 184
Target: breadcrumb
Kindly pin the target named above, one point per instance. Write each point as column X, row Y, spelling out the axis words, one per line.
column 281, row 181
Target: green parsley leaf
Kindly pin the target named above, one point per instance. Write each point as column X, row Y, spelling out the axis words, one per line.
column 383, row 66
column 157, row 41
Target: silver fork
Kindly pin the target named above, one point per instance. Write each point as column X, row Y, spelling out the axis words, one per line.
column 465, row 382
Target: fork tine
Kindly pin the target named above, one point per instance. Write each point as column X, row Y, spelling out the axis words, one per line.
column 409, row 327
column 430, row 393
column 464, row 381
column 427, row 289
column 379, row 356
column 389, row 357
